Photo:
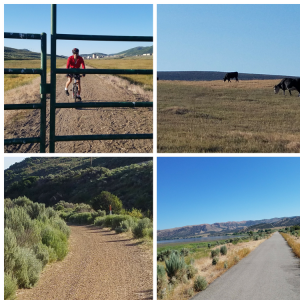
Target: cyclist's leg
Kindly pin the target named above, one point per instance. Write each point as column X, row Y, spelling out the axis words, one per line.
column 79, row 87
column 68, row 82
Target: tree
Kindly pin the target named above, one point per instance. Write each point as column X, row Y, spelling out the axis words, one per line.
column 104, row 200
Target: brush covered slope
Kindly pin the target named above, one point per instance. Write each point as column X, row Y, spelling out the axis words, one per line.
column 50, row 180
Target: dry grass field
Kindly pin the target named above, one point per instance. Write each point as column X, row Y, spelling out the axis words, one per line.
column 236, row 117
column 12, row 81
column 127, row 63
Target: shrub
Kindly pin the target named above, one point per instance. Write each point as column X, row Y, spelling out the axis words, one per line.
column 81, row 218
column 225, row 265
column 55, row 239
column 184, row 252
column 213, row 253
column 200, row 284
column 104, row 200
column 10, row 249
column 215, row 261
column 175, row 266
column 223, row 250
column 22, row 201
column 99, row 221
column 50, row 213
column 42, row 253
column 128, row 225
column 209, row 245
column 58, row 223
column 161, row 278
column 142, row 228
column 191, row 271
column 10, row 286
column 101, row 213
column 27, row 268
column 35, row 210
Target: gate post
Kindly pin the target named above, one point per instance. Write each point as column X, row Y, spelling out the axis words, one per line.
column 53, row 79
column 43, row 91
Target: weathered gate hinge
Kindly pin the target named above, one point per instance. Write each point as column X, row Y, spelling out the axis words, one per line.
column 45, row 88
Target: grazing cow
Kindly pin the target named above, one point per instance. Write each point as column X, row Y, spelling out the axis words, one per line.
column 289, row 84
column 232, row 75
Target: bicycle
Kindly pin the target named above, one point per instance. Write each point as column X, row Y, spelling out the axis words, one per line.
column 76, row 77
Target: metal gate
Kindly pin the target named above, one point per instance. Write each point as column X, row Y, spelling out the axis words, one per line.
column 46, row 88
column 42, row 105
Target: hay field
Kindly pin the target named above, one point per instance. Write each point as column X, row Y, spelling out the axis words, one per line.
column 236, row 117
column 146, row 81
column 12, row 81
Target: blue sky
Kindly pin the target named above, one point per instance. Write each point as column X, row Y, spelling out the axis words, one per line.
column 8, row 161
column 262, row 39
column 202, row 190
column 95, row 19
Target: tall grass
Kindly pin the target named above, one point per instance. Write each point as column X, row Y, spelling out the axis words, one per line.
column 293, row 243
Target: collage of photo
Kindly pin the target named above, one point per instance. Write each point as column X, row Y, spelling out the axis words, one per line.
column 151, row 151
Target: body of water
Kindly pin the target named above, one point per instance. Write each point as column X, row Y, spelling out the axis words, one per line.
column 200, row 239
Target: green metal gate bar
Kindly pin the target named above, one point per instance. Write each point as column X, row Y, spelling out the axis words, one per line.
column 42, row 105
column 54, row 71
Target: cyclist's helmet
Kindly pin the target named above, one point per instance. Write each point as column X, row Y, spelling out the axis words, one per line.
column 75, row 51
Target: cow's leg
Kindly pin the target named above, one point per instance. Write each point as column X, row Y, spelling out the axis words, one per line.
column 290, row 92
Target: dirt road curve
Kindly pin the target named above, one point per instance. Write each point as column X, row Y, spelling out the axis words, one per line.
column 98, row 88
column 100, row 265
column 270, row 272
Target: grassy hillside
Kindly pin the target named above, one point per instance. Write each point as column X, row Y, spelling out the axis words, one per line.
column 49, row 180
column 236, row 117
column 136, row 51
column 16, row 54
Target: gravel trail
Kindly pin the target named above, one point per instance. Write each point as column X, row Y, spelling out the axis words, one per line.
column 100, row 265
column 85, row 121
column 270, row 272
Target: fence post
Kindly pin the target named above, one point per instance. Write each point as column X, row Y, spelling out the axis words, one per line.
column 43, row 92
column 53, row 79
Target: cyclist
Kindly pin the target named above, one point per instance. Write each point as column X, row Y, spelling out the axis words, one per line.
column 74, row 62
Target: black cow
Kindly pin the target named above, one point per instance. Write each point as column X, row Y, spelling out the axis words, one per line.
column 289, row 84
column 232, row 75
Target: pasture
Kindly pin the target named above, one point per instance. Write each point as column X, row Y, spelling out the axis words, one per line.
column 235, row 117
column 127, row 63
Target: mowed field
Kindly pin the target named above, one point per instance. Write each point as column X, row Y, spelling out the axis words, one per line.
column 236, row 117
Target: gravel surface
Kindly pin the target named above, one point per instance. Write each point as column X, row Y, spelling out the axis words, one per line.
column 270, row 272
column 84, row 121
column 100, row 265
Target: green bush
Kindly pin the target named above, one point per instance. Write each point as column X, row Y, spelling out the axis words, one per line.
column 184, row 252
column 42, row 253
column 99, row 221
column 213, row 253
column 215, row 261
column 191, row 271
column 200, row 284
column 223, row 250
column 104, row 200
column 175, row 266
column 225, row 265
column 128, row 225
column 142, row 229
column 10, row 286
column 27, row 268
column 101, row 213
column 34, row 210
column 10, row 250
column 161, row 278
column 209, row 245
column 22, row 201
column 55, row 239
column 81, row 218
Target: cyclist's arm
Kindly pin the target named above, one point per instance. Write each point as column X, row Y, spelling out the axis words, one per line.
column 68, row 63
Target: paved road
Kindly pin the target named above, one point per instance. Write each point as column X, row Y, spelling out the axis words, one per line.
column 270, row 272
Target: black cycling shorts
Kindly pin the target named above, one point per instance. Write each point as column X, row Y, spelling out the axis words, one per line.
column 72, row 75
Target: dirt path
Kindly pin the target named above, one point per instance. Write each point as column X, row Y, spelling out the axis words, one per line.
column 98, row 88
column 100, row 265
column 270, row 272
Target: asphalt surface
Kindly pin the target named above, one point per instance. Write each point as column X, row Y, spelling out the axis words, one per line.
column 270, row 272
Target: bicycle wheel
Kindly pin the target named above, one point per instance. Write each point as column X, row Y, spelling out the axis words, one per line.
column 75, row 91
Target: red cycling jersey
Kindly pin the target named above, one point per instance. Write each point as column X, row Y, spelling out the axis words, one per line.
column 72, row 65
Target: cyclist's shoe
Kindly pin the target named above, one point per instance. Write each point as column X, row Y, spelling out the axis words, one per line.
column 79, row 98
column 67, row 92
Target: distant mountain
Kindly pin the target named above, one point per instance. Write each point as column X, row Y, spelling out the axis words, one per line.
column 12, row 53
column 130, row 52
column 222, row 228
column 136, row 51
column 209, row 76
